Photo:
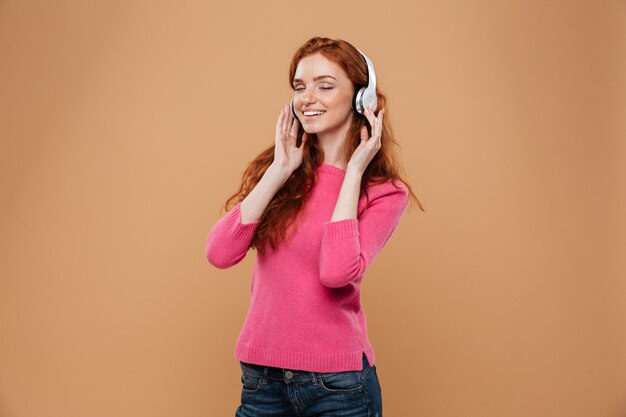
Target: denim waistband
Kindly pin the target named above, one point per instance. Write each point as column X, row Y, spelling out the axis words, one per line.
column 271, row 372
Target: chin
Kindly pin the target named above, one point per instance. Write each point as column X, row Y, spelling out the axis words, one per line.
column 310, row 130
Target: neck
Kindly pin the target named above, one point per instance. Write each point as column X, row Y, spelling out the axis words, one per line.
column 332, row 143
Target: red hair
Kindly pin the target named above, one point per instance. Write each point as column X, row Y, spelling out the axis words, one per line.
column 283, row 209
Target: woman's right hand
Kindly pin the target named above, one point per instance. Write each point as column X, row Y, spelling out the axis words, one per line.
column 288, row 157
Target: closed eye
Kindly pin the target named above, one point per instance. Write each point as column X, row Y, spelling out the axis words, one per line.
column 322, row 88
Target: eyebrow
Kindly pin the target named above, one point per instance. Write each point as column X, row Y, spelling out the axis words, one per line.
column 316, row 78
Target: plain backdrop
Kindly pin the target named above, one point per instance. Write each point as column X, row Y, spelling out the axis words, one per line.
column 125, row 125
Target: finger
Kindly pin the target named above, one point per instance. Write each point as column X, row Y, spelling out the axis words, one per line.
column 364, row 133
column 285, row 126
column 282, row 124
column 370, row 117
column 379, row 116
column 379, row 123
column 293, row 134
column 373, row 123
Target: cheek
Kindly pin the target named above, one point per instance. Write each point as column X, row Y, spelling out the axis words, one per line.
column 340, row 101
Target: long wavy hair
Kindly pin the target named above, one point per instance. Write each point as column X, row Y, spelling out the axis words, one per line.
column 286, row 205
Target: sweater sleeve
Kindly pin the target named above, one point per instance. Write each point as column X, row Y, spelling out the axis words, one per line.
column 350, row 245
column 229, row 239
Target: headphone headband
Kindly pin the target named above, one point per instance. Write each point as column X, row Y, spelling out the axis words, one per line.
column 366, row 96
column 371, row 74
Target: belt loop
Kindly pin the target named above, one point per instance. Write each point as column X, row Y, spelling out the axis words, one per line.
column 265, row 372
column 314, row 377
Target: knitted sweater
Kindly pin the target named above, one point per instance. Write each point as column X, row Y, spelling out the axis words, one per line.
column 305, row 311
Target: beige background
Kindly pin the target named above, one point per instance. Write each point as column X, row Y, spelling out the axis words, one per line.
column 125, row 125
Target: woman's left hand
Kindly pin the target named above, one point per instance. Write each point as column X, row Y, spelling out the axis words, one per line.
column 366, row 150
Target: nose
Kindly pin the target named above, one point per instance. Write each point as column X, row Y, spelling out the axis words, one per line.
column 307, row 98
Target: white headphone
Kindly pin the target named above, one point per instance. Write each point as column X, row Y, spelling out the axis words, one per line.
column 363, row 98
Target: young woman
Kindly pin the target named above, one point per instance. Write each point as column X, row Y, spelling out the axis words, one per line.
column 318, row 206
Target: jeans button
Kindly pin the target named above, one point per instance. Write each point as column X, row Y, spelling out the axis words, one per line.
column 288, row 374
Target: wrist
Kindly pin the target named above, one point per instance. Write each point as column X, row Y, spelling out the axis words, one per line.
column 278, row 173
column 353, row 172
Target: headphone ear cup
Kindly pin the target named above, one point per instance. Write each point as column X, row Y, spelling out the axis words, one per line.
column 357, row 100
column 293, row 110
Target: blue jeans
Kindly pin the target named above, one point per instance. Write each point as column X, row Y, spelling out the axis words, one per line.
column 277, row 392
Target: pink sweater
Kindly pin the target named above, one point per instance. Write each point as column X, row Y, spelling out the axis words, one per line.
column 305, row 310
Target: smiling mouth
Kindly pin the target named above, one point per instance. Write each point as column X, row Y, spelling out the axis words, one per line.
column 313, row 116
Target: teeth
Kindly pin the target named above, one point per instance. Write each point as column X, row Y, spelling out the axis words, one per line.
column 311, row 113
